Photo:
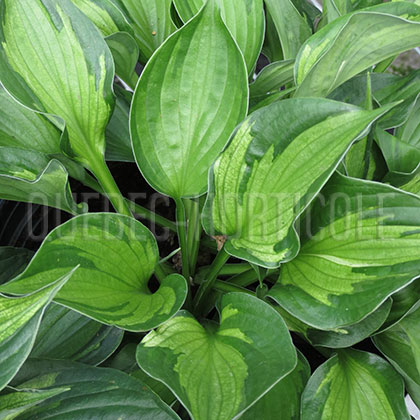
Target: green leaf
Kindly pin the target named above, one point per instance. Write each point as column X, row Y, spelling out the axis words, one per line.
column 270, row 80
column 33, row 177
column 151, row 22
column 113, row 252
column 13, row 261
column 235, row 363
column 95, row 393
column 67, row 335
column 354, row 43
column 118, row 143
column 11, row 405
column 354, row 385
column 174, row 149
column 359, row 247
column 350, row 335
column 400, row 344
column 261, row 183
column 244, row 19
column 291, row 26
column 19, row 323
column 409, row 132
column 77, row 83
column 283, row 400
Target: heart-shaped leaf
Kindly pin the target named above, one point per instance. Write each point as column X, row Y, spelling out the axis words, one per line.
column 33, row 177
column 174, row 149
column 151, row 22
column 113, row 252
column 360, row 245
column 354, row 43
column 354, row 385
column 400, row 344
column 244, row 19
column 67, row 335
column 236, row 363
column 283, row 400
column 291, row 26
column 13, row 261
column 261, row 183
column 95, row 393
column 19, row 323
column 76, row 85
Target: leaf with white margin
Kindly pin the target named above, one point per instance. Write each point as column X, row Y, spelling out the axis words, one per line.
column 401, row 345
column 354, row 385
column 19, row 323
column 115, row 253
column 362, row 247
column 44, row 44
column 151, row 22
column 33, row 177
column 261, row 182
column 244, row 19
column 191, row 95
column 283, row 400
column 235, row 362
column 353, row 43
column 95, row 393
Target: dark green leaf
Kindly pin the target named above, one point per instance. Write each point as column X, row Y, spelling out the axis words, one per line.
column 13, row 261
column 114, row 253
column 235, row 363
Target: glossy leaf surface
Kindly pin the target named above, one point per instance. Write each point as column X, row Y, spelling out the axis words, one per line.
column 354, row 385
column 190, row 97
column 113, row 252
column 67, row 335
column 19, row 323
column 261, row 183
column 362, row 247
column 244, row 19
column 352, row 44
column 236, row 362
column 94, row 393
column 77, row 83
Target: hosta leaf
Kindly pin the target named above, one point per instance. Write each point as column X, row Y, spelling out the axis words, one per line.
column 187, row 102
column 11, row 405
column 409, row 132
column 291, row 26
column 352, row 44
column 336, row 8
column 400, row 344
column 32, row 177
column 151, row 22
column 95, row 393
column 113, row 252
column 118, row 143
column 68, row 335
column 77, row 83
column 283, row 400
column 234, row 363
column 350, row 335
column 362, row 247
column 19, row 322
column 270, row 80
column 354, row 385
column 13, row 261
column 244, row 18
column 261, row 182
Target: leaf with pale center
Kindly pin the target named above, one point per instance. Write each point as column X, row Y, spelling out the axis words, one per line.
column 116, row 256
column 360, row 245
column 262, row 182
column 354, row 385
column 191, row 95
column 235, row 362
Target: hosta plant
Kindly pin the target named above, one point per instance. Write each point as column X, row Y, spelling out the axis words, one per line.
column 285, row 283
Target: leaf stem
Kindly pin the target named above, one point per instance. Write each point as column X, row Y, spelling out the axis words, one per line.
column 101, row 171
column 205, row 287
column 193, row 233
